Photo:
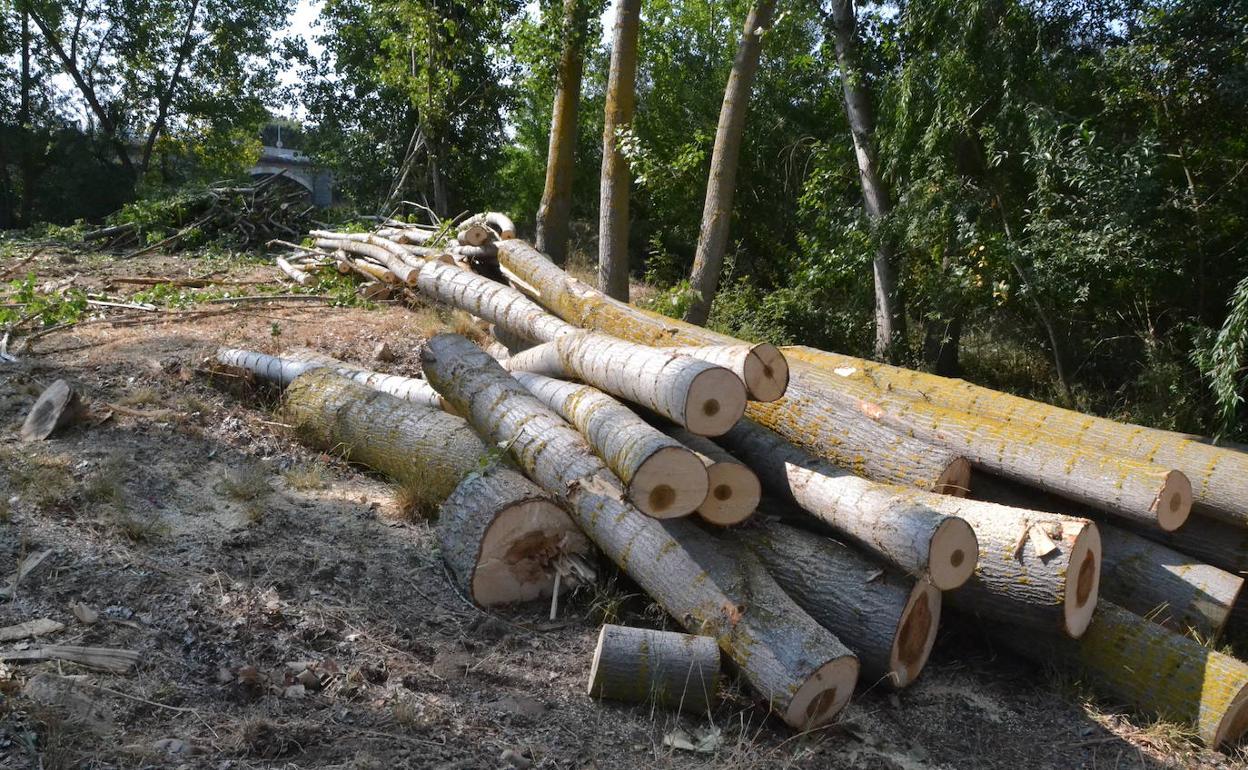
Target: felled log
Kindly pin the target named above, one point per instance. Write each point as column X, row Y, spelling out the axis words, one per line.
column 663, row 478
column 1154, row 670
column 282, row 371
column 1143, row 492
column 502, row 537
column 799, row 420
column 889, row 621
column 883, row 520
column 1149, row 578
column 415, row 445
column 705, row 398
column 733, row 491
column 761, row 367
column 694, row 393
column 670, row 669
column 372, row 247
column 797, row 666
column 1216, row 473
column 295, row 274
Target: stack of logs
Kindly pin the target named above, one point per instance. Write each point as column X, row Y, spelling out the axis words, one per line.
column 592, row 425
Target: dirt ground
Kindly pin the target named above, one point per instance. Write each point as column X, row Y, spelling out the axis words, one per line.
column 287, row 614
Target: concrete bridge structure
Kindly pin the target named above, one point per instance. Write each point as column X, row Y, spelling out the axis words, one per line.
column 300, row 169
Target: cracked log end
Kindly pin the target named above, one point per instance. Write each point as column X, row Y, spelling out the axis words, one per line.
column 1174, row 501
column 952, row 554
column 766, row 373
column 671, row 482
column 714, row 402
column 824, row 693
column 1083, row 581
column 955, row 479
column 916, row 633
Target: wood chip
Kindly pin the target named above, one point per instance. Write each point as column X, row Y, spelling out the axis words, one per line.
column 57, row 407
column 1041, row 543
column 104, row 658
column 85, row 614
column 37, row 627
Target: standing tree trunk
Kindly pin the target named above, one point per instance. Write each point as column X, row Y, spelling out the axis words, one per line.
column 717, row 210
column 613, row 198
column 185, row 48
column 889, row 310
column 26, row 127
column 556, row 207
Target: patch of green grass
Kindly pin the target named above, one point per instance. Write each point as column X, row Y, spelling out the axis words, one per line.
column 45, row 481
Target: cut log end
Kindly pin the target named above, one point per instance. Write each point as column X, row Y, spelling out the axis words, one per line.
column 955, row 480
column 1174, row 502
column 714, row 403
column 671, row 482
column 916, row 634
column 1083, row 581
column 952, row 554
column 1235, row 722
column 733, row 495
column 514, row 564
column 766, row 373
column 824, row 693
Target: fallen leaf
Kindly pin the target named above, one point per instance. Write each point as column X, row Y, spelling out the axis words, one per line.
column 85, row 614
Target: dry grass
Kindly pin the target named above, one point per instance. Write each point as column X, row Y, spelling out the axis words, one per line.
column 247, row 483
column 44, row 480
column 140, row 397
column 105, row 485
column 416, row 502
column 138, row 528
column 307, row 477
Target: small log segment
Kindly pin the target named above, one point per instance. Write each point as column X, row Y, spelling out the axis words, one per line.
column 59, row 405
column 415, row 445
column 1216, row 473
column 797, row 666
column 733, row 490
column 1148, row 578
column 663, row 478
column 1143, row 492
column 761, row 367
column 889, row 621
column 670, row 669
column 883, row 520
column 282, row 371
column 502, row 538
column 1154, row 670
column 705, row 398
column 294, row 273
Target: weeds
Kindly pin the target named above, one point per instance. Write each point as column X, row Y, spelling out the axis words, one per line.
column 416, row 502
column 45, row 481
column 247, row 483
column 307, row 477
column 140, row 397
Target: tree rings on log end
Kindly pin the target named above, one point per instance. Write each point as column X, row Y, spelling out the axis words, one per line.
column 824, row 693
column 1083, row 581
column 955, row 479
column 916, row 633
column 671, row 482
column 1174, row 502
column 952, row 554
column 766, row 373
column 1234, row 722
column 733, row 495
column 714, row 402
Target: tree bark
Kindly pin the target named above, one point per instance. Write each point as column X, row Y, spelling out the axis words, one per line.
column 708, row 259
column 888, row 621
column 1131, row 489
column 889, row 309
column 677, row 671
column 1148, row 578
column 761, row 367
column 502, row 538
column 555, row 210
column 798, row 667
column 663, row 478
column 1216, row 473
column 733, row 491
column 26, row 125
column 420, row 448
column 705, row 398
column 1154, row 670
column 883, row 520
column 613, row 196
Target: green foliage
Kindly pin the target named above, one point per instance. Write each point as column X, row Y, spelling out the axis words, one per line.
column 49, row 309
column 1223, row 359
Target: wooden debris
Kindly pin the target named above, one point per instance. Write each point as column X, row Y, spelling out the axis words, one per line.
column 24, row 568
column 118, row 661
column 672, row 670
column 37, row 627
column 57, row 407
